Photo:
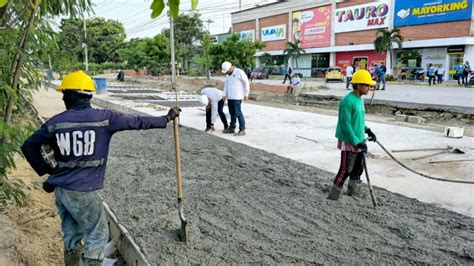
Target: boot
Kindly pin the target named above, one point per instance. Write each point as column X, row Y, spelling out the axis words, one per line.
column 73, row 256
column 91, row 262
column 354, row 188
column 335, row 193
column 240, row 133
column 229, row 130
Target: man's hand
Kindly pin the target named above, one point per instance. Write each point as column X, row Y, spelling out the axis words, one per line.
column 246, row 98
column 363, row 147
column 173, row 113
column 371, row 134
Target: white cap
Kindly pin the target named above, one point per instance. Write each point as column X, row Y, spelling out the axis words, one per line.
column 226, row 66
column 203, row 100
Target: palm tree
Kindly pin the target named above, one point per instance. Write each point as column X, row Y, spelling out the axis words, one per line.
column 384, row 40
column 294, row 50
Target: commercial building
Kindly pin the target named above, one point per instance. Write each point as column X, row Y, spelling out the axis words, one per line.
column 342, row 32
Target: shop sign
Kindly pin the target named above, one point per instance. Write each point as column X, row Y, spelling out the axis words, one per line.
column 247, row 35
column 312, row 27
column 435, row 56
column 455, row 49
column 409, row 12
column 273, row 33
column 362, row 17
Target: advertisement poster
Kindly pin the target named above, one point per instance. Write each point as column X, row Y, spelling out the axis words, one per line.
column 312, row 27
column 409, row 12
column 374, row 15
column 247, row 35
column 273, row 33
column 359, row 59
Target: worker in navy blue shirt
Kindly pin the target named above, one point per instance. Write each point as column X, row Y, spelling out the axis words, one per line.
column 80, row 138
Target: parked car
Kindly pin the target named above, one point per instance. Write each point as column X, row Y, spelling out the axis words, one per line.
column 334, row 73
column 259, row 73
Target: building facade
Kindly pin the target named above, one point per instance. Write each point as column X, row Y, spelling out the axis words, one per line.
column 336, row 32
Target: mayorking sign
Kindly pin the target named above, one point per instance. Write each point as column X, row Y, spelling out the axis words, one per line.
column 374, row 15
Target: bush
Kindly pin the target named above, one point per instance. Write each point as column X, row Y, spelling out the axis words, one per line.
column 390, row 78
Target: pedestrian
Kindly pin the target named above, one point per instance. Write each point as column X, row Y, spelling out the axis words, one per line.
column 440, row 74
column 80, row 138
column 288, row 71
column 213, row 99
column 380, row 77
column 349, row 72
column 431, row 74
column 248, row 72
column 137, row 71
column 236, row 89
column 351, row 138
column 459, row 73
column 295, row 82
column 120, row 75
column 465, row 73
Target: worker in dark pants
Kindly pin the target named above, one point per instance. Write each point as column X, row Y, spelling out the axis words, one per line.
column 80, row 138
column 350, row 133
column 213, row 100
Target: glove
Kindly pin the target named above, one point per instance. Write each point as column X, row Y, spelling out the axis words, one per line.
column 48, row 187
column 173, row 113
column 363, row 147
column 371, row 134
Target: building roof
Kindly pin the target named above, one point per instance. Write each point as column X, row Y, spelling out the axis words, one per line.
column 257, row 6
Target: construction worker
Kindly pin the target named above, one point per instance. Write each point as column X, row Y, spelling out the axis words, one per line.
column 350, row 134
column 213, row 100
column 236, row 89
column 80, row 138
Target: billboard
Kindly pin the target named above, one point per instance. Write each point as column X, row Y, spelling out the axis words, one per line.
column 409, row 12
column 247, row 35
column 374, row 15
column 273, row 33
column 312, row 27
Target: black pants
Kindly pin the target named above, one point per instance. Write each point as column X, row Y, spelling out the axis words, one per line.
column 464, row 78
column 440, row 78
column 351, row 165
column 460, row 79
column 220, row 110
column 431, row 78
column 289, row 78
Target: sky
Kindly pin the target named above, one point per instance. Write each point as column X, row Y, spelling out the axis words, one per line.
column 135, row 14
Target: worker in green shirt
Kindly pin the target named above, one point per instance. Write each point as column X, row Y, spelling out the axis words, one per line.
column 350, row 133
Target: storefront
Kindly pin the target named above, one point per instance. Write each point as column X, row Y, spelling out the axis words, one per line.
column 455, row 57
column 359, row 59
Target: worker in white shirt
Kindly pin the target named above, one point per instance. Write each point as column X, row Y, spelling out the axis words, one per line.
column 236, row 89
column 349, row 73
column 213, row 100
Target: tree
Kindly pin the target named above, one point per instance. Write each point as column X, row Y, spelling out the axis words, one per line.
column 294, row 50
column 384, row 42
column 26, row 36
column 203, row 58
column 239, row 53
column 266, row 59
column 188, row 32
column 104, row 38
column 157, row 7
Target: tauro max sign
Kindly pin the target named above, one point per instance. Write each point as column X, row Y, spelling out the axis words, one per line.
column 362, row 17
column 273, row 33
column 409, row 12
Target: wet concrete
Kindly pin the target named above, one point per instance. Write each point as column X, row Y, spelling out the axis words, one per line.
column 249, row 206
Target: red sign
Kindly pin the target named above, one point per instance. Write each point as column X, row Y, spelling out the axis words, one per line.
column 360, row 59
column 313, row 27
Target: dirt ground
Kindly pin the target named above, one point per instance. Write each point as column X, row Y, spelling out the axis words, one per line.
column 249, row 206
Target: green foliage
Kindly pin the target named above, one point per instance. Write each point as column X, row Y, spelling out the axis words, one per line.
column 150, row 52
column 239, row 53
column 266, row 59
column 385, row 38
column 157, row 7
column 294, row 50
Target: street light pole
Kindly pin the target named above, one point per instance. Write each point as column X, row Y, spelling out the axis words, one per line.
column 84, row 44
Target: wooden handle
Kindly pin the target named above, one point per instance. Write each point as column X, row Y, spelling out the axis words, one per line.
column 427, row 156
column 178, row 160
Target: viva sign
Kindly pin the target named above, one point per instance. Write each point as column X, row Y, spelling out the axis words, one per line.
column 273, row 33
column 362, row 17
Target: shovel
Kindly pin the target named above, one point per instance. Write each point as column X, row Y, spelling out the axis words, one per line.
column 372, row 195
column 448, row 150
column 183, row 233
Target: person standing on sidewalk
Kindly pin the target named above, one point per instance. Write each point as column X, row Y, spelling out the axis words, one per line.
column 459, row 72
column 80, row 138
column 236, row 89
column 349, row 72
column 380, row 74
column 288, row 71
column 440, row 74
column 465, row 73
column 431, row 74
column 351, row 138
column 213, row 100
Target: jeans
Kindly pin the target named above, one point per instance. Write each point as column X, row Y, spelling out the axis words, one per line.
column 440, row 79
column 348, row 82
column 380, row 79
column 287, row 76
column 220, row 110
column 82, row 215
column 431, row 78
column 236, row 113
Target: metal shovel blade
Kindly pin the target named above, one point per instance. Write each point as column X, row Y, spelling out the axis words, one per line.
column 183, row 234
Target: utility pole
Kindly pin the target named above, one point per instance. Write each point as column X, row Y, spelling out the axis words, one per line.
column 240, row 5
column 209, row 21
column 84, row 44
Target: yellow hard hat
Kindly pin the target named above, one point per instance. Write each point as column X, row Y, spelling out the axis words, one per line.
column 78, row 81
column 362, row 76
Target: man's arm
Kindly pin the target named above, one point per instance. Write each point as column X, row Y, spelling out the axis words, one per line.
column 345, row 121
column 120, row 122
column 214, row 106
column 32, row 151
column 246, row 84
